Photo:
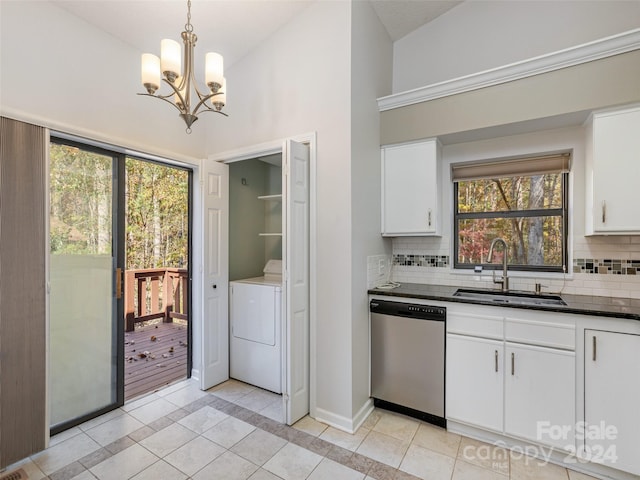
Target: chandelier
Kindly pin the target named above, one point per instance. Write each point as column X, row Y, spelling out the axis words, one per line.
column 182, row 81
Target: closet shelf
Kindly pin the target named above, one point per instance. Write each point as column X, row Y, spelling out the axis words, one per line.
column 270, row 197
column 270, row 234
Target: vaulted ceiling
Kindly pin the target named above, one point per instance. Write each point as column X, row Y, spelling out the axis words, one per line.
column 230, row 27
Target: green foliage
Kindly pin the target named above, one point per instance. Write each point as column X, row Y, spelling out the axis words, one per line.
column 80, row 201
column 156, row 208
column 532, row 240
column 157, row 216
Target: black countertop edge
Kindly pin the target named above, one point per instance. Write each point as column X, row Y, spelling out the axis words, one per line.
column 628, row 308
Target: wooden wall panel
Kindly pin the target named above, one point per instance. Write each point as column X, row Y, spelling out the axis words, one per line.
column 23, row 217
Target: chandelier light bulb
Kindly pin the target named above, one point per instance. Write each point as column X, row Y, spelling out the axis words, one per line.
column 220, row 99
column 180, row 92
column 214, row 71
column 170, row 59
column 150, row 72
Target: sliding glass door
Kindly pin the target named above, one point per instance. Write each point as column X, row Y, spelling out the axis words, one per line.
column 86, row 351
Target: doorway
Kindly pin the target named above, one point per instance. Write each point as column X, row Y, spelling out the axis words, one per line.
column 120, row 228
column 157, row 333
column 298, row 259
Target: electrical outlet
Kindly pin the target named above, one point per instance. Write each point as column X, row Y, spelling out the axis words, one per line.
column 381, row 266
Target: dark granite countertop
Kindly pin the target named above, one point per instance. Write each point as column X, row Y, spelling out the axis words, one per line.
column 579, row 304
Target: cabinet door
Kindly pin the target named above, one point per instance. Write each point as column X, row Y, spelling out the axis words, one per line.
column 474, row 381
column 616, row 169
column 540, row 395
column 612, row 399
column 410, row 189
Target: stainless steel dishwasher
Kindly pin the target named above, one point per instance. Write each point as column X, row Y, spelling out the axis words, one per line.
column 407, row 359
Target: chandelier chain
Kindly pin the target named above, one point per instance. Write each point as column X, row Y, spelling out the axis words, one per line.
column 188, row 27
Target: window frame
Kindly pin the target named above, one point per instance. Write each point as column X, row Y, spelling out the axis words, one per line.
column 561, row 212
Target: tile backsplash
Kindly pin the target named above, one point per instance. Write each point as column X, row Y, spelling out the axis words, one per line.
column 608, row 266
column 601, row 266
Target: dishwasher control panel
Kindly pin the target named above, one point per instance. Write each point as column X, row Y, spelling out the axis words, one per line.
column 426, row 312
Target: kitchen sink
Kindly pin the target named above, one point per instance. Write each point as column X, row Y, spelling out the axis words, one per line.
column 510, row 298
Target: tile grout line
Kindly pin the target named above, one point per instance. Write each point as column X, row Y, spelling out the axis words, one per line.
column 292, row 435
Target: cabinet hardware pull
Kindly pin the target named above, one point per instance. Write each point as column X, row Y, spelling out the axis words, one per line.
column 594, row 348
column 496, row 356
column 513, row 363
column 604, row 211
column 429, row 217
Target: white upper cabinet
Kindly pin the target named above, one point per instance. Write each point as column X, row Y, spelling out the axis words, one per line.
column 410, row 193
column 612, row 172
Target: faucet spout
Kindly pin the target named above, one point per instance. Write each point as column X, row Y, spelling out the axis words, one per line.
column 504, row 281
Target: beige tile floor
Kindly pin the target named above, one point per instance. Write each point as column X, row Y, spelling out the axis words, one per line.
column 234, row 432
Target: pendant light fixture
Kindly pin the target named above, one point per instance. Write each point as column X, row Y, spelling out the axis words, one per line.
column 182, row 80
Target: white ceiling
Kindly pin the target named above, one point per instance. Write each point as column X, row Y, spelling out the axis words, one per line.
column 238, row 25
column 401, row 17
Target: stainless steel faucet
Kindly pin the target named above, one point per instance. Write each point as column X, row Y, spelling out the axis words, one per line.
column 504, row 281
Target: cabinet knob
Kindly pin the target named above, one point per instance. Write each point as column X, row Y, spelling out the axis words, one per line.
column 429, row 217
column 214, row 286
column 604, row 211
column 594, row 348
column 496, row 357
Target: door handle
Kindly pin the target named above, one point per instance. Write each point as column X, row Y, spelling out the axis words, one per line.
column 604, row 211
column 118, row 283
column 513, row 363
column 429, row 217
column 496, row 356
column 594, row 348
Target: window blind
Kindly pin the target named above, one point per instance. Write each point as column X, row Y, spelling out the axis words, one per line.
column 557, row 163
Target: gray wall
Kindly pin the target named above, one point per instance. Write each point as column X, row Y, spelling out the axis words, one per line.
column 249, row 216
column 593, row 85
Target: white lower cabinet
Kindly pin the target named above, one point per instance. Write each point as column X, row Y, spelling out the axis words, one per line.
column 513, row 372
column 475, row 381
column 612, row 399
column 540, row 395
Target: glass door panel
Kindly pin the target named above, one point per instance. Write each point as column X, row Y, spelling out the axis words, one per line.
column 83, row 304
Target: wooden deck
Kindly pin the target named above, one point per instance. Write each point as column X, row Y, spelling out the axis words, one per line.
column 165, row 362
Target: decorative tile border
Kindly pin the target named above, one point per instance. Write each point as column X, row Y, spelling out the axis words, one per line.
column 421, row 260
column 356, row 461
column 607, row 266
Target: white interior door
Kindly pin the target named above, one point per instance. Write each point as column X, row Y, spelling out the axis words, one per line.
column 296, row 271
column 215, row 309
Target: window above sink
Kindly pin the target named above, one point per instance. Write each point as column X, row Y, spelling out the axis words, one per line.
column 522, row 200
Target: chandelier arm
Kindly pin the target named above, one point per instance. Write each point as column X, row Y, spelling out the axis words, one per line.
column 203, row 100
column 176, row 90
column 162, row 98
column 208, row 109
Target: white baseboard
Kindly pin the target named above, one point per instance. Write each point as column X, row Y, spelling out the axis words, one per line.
column 349, row 425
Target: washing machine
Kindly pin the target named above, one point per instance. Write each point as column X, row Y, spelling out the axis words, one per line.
column 255, row 324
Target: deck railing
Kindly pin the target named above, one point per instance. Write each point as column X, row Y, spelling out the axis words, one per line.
column 155, row 293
